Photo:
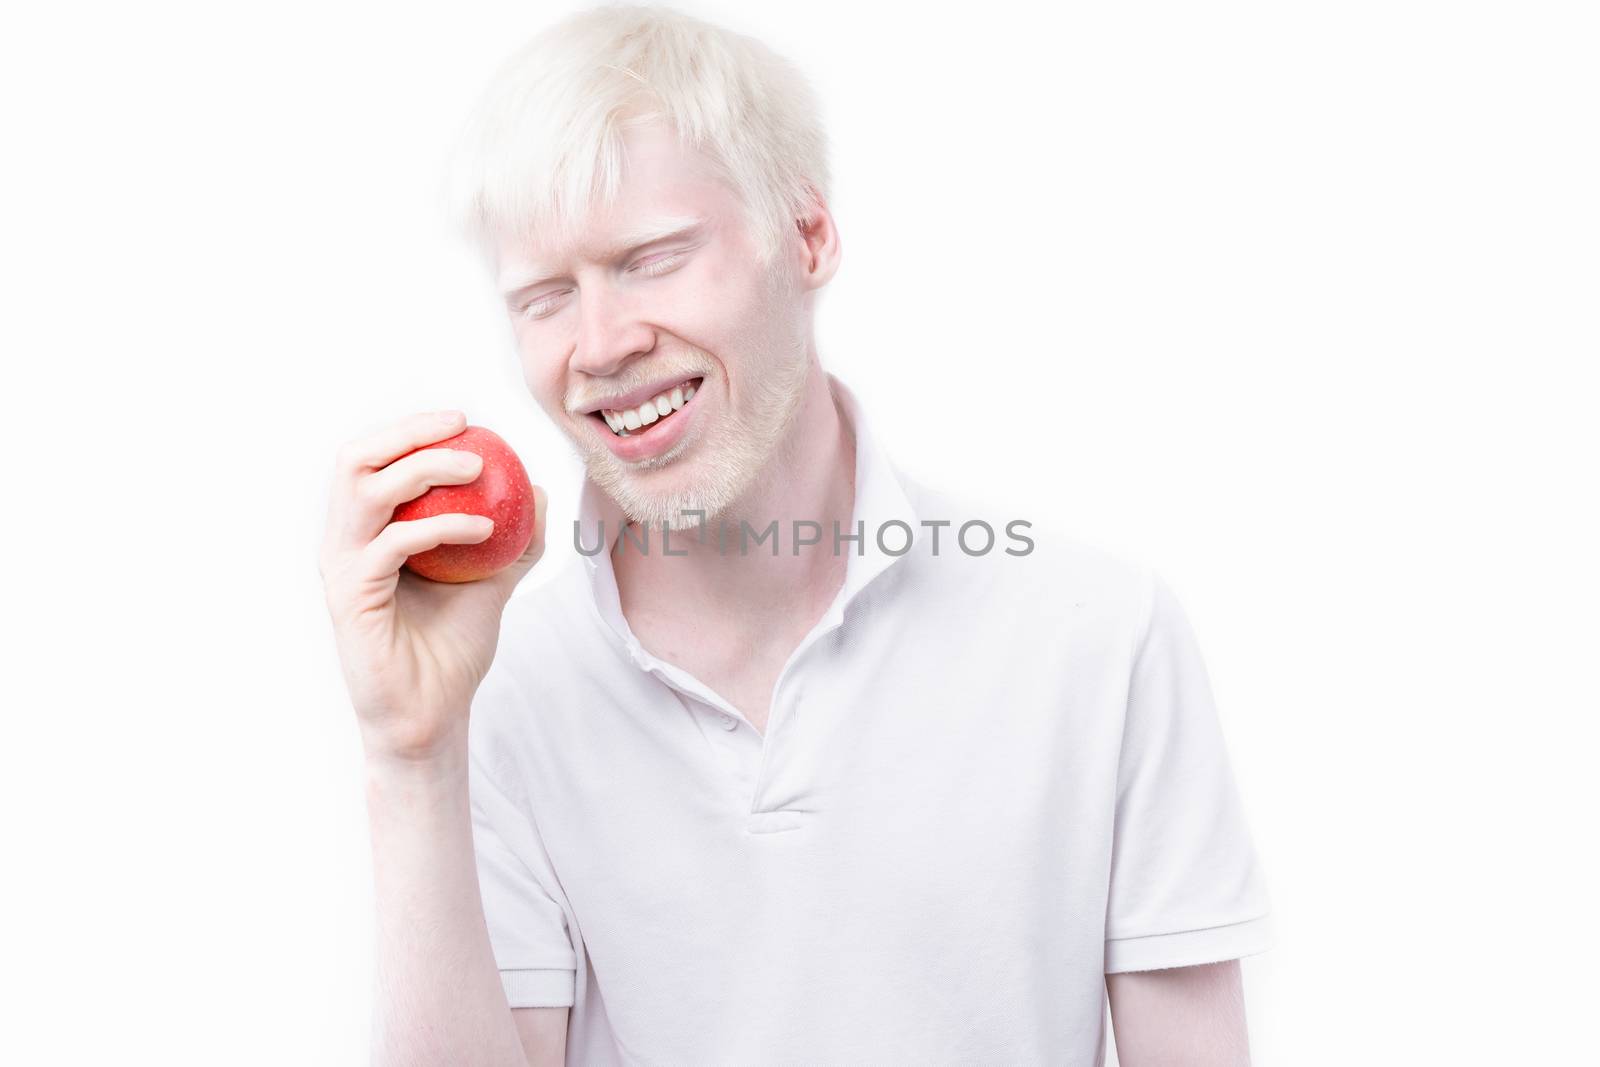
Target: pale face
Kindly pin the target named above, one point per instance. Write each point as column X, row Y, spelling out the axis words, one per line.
column 615, row 325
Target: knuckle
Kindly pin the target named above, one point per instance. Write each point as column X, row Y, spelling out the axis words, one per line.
column 389, row 539
column 380, row 539
column 369, row 490
column 345, row 458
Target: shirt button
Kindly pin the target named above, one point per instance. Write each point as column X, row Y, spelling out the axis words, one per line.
column 729, row 722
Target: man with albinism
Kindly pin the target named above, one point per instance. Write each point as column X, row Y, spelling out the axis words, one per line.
column 790, row 763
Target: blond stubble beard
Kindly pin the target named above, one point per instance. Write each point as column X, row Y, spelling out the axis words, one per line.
column 727, row 462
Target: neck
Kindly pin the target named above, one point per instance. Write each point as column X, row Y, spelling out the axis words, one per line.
column 810, row 478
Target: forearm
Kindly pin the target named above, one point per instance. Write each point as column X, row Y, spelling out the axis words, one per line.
column 439, row 997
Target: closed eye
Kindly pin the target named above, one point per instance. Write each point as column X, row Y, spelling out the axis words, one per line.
column 540, row 308
column 658, row 266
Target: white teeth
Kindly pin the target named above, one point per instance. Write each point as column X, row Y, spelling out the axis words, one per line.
column 650, row 411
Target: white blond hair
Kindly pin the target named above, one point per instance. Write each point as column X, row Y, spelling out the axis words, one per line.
column 544, row 145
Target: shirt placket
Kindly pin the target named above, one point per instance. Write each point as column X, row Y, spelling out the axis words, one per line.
column 748, row 757
column 734, row 742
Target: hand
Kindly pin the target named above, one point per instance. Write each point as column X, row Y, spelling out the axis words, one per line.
column 413, row 650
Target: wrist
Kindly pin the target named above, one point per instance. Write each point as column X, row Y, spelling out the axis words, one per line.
column 441, row 764
column 414, row 742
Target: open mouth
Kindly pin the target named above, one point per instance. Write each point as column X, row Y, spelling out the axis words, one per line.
column 636, row 422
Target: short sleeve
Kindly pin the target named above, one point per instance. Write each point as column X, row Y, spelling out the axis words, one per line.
column 522, row 901
column 1186, row 887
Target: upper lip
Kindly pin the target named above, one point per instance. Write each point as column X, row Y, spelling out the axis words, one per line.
column 625, row 401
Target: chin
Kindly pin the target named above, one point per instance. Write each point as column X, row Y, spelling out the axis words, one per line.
column 706, row 472
column 684, row 496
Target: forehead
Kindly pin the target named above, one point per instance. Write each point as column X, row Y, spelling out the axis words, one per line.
column 663, row 186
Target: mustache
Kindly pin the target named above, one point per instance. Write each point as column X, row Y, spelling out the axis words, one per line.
column 576, row 403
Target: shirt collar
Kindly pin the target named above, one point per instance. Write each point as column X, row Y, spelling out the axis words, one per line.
column 881, row 502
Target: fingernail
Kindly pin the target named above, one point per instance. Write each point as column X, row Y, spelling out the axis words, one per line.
column 449, row 415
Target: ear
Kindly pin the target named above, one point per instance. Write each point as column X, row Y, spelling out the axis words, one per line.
column 820, row 239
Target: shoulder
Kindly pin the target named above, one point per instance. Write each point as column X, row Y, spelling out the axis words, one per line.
column 1033, row 568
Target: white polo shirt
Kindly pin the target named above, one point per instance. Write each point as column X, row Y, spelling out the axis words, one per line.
column 987, row 780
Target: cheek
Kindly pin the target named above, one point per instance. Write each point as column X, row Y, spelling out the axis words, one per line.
column 544, row 381
column 687, row 304
column 722, row 313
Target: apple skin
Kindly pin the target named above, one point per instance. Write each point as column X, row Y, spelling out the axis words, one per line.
column 501, row 491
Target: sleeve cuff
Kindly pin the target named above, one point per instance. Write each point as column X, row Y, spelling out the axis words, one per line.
column 1186, row 948
column 541, row 988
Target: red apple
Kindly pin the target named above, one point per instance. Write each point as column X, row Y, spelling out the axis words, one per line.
column 501, row 491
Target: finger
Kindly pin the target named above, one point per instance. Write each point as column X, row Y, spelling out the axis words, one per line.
column 541, row 511
column 382, row 447
column 387, row 552
column 369, row 452
column 376, row 494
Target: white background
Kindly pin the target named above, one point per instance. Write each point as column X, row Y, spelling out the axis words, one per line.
column 1296, row 302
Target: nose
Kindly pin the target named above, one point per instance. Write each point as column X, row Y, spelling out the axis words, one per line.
column 610, row 331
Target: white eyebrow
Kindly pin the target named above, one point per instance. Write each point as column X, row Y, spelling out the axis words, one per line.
column 656, row 230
